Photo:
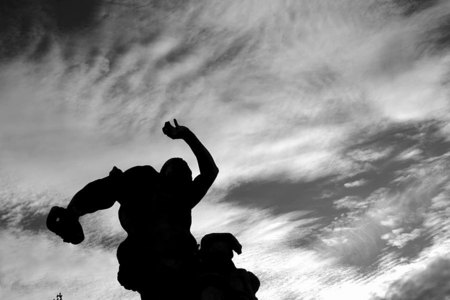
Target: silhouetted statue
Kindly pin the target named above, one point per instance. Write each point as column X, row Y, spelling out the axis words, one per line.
column 219, row 278
column 158, row 258
column 58, row 297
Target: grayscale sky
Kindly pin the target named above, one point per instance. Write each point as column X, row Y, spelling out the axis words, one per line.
column 329, row 121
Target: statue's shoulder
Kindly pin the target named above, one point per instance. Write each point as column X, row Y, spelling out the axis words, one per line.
column 141, row 171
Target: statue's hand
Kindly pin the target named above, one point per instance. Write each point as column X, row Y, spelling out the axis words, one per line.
column 65, row 225
column 175, row 132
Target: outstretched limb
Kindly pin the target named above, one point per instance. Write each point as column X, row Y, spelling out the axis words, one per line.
column 207, row 166
column 97, row 195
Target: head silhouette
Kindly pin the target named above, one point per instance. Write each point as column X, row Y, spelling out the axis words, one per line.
column 176, row 171
column 220, row 246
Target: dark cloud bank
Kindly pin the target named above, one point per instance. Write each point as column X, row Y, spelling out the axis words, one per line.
column 32, row 26
column 433, row 283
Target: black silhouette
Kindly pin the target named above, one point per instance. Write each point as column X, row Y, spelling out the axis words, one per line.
column 219, row 278
column 58, row 297
column 160, row 257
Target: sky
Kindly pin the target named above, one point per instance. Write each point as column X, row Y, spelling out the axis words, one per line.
column 329, row 121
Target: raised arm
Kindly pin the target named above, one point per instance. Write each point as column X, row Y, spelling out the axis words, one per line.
column 206, row 164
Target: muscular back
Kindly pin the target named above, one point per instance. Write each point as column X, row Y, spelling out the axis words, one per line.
column 149, row 205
